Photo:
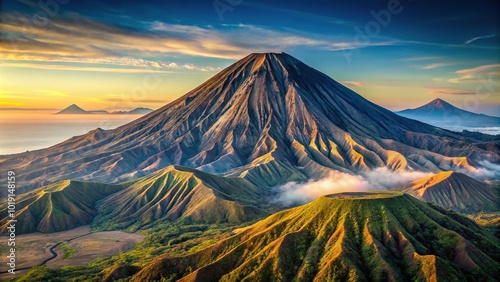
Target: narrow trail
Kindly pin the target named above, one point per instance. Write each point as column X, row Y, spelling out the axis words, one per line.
column 54, row 254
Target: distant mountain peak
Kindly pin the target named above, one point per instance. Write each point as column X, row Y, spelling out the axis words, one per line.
column 439, row 104
column 440, row 113
column 438, row 100
column 74, row 106
column 73, row 109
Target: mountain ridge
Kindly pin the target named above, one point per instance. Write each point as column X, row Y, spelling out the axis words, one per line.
column 453, row 190
column 268, row 118
column 75, row 109
column 60, row 206
column 179, row 193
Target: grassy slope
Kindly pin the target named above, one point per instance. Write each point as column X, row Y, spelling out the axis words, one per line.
column 60, row 206
column 179, row 193
column 390, row 238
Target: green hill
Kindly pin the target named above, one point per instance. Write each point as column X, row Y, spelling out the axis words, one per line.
column 180, row 193
column 61, row 206
column 345, row 237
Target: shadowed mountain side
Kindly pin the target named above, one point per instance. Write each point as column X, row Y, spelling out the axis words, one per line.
column 61, row 206
column 268, row 116
column 180, row 193
column 455, row 191
column 345, row 237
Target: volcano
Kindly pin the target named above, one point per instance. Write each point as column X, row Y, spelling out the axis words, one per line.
column 268, row 118
column 344, row 237
column 441, row 113
column 73, row 110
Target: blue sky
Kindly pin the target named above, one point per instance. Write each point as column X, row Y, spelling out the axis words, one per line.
column 399, row 54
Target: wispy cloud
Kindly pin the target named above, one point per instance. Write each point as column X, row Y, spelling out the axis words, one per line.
column 77, row 37
column 443, row 45
column 352, row 83
column 420, row 58
column 448, row 91
column 477, row 74
column 81, row 68
column 90, row 45
column 97, row 46
column 435, row 66
column 479, row 38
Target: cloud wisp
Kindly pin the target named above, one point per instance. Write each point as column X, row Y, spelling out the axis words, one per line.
column 479, row 38
column 352, row 83
column 99, row 46
column 294, row 193
column 435, row 66
column 448, row 91
column 487, row 171
column 477, row 74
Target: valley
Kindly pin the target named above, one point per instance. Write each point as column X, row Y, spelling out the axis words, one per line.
column 36, row 249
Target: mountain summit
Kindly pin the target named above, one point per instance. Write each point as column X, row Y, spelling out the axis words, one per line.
column 268, row 118
column 73, row 110
column 437, row 104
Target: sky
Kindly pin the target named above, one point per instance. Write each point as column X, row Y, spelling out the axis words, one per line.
column 118, row 55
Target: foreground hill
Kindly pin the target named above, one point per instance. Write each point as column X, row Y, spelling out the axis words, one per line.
column 456, row 191
column 180, row 193
column 441, row 113
column 61, row 206
column 345, row 237
column 268, row 118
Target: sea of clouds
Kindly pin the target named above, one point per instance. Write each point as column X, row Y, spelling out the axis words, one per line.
column 295, row 193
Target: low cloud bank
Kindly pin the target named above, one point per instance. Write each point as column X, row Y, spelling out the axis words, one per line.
column 294, row 193
column 487, row 171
